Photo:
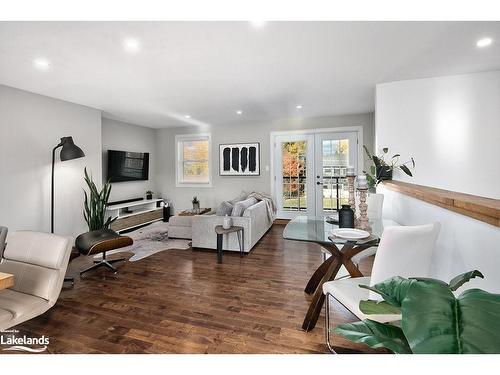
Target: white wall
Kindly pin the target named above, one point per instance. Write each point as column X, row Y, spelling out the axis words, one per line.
column 451, row 125
column 227, row 187
column 117, row 135
column 30, row 126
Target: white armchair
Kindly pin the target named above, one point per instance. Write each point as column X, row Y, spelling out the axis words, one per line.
column 404, row 251
column 38, row 262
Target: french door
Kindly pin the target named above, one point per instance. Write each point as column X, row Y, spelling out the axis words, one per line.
column 310, row 172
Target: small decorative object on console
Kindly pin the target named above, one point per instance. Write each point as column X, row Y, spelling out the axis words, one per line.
column 196, row 204
column 149, row 194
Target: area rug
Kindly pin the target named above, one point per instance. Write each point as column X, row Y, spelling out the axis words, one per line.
column 150, row 240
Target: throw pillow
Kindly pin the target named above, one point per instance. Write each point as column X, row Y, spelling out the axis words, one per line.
column 240, row 207
column 242, row 196
column 225, row 208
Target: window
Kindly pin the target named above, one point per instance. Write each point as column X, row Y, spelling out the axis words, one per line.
column 193, row 153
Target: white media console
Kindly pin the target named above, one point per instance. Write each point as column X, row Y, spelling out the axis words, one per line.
column 133, row 214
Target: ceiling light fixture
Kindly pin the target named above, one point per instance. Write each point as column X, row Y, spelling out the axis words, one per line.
column 239, row 112
column 131, row 45
column 41, row 63
column 187, row 116
column 298, row 106
column 484, row 42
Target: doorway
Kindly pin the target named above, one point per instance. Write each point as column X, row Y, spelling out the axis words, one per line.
column 310, row 169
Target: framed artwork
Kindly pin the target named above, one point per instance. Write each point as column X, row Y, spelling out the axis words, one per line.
column 239, row 159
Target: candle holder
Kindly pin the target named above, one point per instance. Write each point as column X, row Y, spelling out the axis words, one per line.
column 352, row 199
column 362, row 222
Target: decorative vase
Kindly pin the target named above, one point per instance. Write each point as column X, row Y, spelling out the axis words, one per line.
column 149, row 196
column 227, row 222
column 383, row 172
column 346, row 217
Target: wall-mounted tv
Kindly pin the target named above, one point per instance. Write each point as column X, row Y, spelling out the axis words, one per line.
column 127, row 166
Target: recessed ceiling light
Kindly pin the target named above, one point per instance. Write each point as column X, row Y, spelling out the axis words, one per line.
column 41, row 63
column 131, row 45
column 187, row 116
column 484, row 42
column 298, row 106
column 239, row 112
column 258, row 24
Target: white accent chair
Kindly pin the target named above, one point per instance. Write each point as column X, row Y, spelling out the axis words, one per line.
column 38, row 262
column 404, row 251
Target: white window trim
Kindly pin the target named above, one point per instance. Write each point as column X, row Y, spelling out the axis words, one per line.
column 178, row 172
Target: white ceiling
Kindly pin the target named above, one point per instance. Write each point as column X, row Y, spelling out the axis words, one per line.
column 210, row 70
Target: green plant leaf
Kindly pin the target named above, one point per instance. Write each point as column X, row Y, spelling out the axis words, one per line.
column 373, row 170
column 367, row 152
column 393, row 290
column 396, row 156
column 376, row 160
column 413, row 162
column 460, row 280
column 370, row 307
column 385, row 150
column 375, row 335
column 406, row 170
column 434, row 321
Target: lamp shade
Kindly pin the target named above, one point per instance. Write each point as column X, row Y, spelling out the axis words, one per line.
column 70, row 150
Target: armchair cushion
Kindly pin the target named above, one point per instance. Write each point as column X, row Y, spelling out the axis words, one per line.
column 36, row 248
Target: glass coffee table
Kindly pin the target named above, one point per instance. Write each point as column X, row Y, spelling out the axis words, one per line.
column 318, row 230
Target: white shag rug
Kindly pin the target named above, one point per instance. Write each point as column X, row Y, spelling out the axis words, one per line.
column 150, row 240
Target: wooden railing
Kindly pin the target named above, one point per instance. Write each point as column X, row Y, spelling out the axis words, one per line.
column 480, row 208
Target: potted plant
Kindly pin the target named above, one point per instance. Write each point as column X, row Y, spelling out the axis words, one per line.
column 149, row 194
column 196, row 204
column 382, row 170
column 95, row 204
column 433, row 320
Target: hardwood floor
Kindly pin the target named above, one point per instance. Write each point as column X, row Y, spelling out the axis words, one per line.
column 182, row 301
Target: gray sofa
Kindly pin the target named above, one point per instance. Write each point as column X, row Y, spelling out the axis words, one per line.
column 255, row 222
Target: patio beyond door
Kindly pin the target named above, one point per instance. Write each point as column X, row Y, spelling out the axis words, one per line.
column 310, row 172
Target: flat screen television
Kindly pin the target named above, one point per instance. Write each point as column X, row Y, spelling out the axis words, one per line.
column 127, row 166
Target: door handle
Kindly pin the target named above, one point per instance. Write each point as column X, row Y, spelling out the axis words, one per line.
column 319, row 183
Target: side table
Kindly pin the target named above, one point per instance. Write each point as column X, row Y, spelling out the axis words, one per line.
column 220, row 236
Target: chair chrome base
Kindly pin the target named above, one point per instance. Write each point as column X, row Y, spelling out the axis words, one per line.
column 327, row 324
column 103, row 263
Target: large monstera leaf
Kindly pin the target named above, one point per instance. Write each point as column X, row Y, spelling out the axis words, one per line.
column 433, row 319
column 437, row 322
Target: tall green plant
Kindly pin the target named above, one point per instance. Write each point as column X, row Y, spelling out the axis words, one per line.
column 433, row 320
column 95, row 204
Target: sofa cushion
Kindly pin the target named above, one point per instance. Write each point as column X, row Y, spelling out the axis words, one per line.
column 5, row 316
column 240, row 207
column 225, row 208
column 242, row 196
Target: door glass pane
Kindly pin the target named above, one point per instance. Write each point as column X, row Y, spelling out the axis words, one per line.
column 335, row 161
column 294, row 157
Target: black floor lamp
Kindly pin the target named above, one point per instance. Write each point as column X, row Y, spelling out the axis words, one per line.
column 69, row 151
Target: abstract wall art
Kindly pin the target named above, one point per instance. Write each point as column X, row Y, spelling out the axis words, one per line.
column 239, row 159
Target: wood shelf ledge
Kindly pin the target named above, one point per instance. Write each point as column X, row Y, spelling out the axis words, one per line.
column 479, row 208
